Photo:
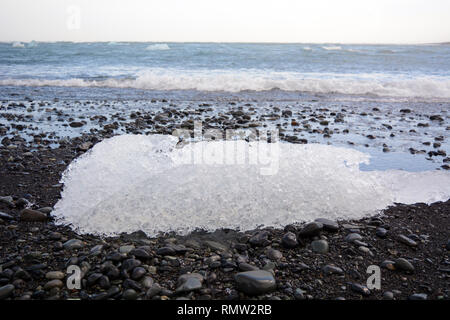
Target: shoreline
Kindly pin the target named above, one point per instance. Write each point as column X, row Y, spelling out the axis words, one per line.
column 39, row 139
column 36, row 254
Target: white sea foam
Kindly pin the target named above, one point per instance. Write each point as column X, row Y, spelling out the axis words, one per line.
column 158, row 46
column 136, row 182
column 18, row 45
column 332, row 48
column 257, row 80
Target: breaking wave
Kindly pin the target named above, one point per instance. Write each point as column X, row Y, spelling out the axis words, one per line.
column 158, row 46
column 258, row 80
column 18, row 45
column 334, row 48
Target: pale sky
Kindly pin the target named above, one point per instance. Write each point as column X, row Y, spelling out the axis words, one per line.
column 320, row 21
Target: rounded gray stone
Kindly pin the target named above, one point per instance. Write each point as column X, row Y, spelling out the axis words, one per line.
column 73, row 244
column 289, row 240
column 352, row 237
column 6, row 291
column 189, row 282
column 403, row 264
column 255, row 282
column 319, row 246
column 328, row 224
column 311, row 229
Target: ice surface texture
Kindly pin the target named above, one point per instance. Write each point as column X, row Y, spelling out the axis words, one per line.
column 136, row 182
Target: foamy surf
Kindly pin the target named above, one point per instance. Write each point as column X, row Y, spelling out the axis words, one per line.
column 158, row 46
column 135, row 182
column 18, row 45
column 332, row 48
column 254, row 80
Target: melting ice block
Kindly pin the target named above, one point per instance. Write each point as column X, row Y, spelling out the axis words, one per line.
column 137, row 182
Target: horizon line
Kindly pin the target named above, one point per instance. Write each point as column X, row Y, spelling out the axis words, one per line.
column 232, row 42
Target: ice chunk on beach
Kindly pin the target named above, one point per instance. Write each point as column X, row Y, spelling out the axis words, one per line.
column 149, row 183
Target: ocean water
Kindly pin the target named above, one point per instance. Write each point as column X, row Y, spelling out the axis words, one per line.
column 412, row 72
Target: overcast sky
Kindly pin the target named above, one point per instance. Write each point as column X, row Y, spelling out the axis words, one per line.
column 343, row 21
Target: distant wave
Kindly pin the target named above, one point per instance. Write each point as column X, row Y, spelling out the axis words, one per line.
column 236, row 81
column 18, row 45
column 158, row 46
column 114, row 43
column 332, row 48
column 339, row 48
column 386, row 51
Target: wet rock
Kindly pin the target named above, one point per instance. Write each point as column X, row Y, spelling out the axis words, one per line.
column 330, row 269
column 54, row 275
column 6, row 291
column 76, row 124
column 126, row 249
column 311, row 229
column 364, row 249
column 131, row 284
column 274, row 254
column 32, row 216
column 299, row 294
column 405, row 240
column 381, row 232
column 8, row 200
column 116, row 256
column 255, row 282
column 147, row 282
column 289, row 240
column 189, row 282
column 73, row 244
column 103, row 282
column 388, row 264
column 319, row 246
column 351, row 237
column 154, row 290
column 166, row 251
column 328, row 225
column 21, row 274
column 130, row 264
column 214, row 245
column 130, row 294
column 53, row 284
column 138, row 273
column 93, row 278
column 418, row 296
column 261, row 239
column 55, row 236
column 436, row 117
column 358, row 288
column 22, row 202
column 140, row 253
column 388, row 295
column 96, row 250
column 85, row 146
column 403, row 264
column 247, row 267
column 46, row 210
column 5, row 216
